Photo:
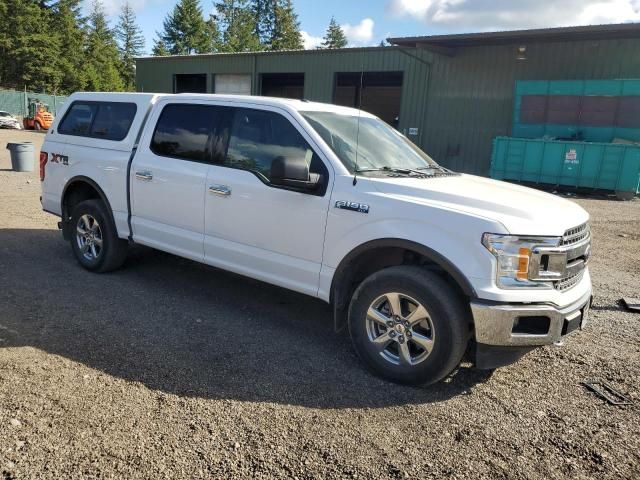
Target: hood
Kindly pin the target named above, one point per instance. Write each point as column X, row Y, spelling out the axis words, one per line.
column 520, row 210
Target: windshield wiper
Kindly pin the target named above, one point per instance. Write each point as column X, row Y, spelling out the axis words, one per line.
column 402, row 171
column 436, row 167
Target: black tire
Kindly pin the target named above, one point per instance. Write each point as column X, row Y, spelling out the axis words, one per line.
column 625, row 196
column 113, row 251
column 448, row 313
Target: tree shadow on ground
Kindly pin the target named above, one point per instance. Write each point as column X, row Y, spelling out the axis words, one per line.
column 188, row 329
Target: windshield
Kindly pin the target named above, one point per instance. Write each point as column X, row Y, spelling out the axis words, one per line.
column 379, row 146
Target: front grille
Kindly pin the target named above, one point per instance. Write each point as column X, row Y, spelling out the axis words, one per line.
column 576, row 241
column 576, row 234
column 569, row 282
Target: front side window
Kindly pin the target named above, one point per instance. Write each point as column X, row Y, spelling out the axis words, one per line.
column 258, row 137
column 367, row 142
column 105, row 120
column 190, row 132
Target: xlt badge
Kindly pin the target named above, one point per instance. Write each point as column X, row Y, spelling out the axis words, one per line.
column 353, row 206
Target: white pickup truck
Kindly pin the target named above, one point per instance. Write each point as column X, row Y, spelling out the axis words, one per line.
column 420, row 263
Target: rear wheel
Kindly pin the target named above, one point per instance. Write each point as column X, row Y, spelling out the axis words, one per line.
column 94, row 238
column 408, row 325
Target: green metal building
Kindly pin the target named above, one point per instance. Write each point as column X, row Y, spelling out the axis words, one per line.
column 451, row 94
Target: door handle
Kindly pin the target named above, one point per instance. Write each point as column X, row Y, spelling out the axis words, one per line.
column 221, row 190
column 145, row 175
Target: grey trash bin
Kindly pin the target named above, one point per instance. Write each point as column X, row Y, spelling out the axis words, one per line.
column 22, row 156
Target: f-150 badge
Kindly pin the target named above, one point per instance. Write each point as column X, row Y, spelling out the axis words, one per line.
column 353, row 206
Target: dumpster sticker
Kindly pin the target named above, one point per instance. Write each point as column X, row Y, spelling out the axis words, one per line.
column 571, row 156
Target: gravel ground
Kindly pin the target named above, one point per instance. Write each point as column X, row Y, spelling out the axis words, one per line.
column 169, row 369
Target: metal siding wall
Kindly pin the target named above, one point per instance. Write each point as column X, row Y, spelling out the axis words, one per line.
column 471, row 97
column 319, row 67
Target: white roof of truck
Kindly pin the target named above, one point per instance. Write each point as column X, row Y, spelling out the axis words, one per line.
column 287, row 103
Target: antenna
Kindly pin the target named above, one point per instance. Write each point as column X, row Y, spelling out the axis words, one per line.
column 355, row 168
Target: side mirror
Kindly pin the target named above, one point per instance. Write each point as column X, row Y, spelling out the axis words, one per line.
column 294, row 172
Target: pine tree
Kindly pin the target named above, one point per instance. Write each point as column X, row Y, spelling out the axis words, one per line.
column 131, row 44
column 264, row 13
column 335, row 37
column 26, row 47
column 238, row 24
column 103, row 64
column 213, row 34
column 159, row 47
column 286, row 28
column 185, row 31
column 71, row 33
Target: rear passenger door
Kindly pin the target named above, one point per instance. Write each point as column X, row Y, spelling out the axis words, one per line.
column 168, row 178
column 253, row 227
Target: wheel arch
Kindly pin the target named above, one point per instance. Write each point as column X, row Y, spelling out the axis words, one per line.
column 80, row 188
column 376, row 255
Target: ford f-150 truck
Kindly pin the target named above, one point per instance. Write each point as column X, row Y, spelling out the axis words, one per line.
column 422, row 265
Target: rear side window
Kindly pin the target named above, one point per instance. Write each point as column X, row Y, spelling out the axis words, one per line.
column 106, row 120
column 190, row 132
column 78, row 119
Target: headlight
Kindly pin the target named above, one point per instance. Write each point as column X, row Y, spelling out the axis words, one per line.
column 513, row 254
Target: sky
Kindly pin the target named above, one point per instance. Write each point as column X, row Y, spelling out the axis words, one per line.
column 367, row 22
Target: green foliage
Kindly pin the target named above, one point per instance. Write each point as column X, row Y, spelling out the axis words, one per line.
column 264, row 14
column 285, row 34
column 26, row 48
column 159, row 47
column 238, row 23
column 103, row 64
column 70, row 30
column 213, row 34
column 130, row 44
column 185, row 31
column 335, row 37
column 255, row 25
column 48, row 45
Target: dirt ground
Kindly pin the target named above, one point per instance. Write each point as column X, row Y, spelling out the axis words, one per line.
column 171, row 369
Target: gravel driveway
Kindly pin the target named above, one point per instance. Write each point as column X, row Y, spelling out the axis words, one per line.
column 171, row 369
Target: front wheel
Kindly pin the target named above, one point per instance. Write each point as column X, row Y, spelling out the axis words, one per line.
column 94, row 238
column 408, row 325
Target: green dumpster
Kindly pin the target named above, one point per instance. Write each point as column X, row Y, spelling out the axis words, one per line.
column 583, row 165
column 576, row 133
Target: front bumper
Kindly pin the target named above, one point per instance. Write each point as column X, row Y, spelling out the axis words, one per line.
column 527, row 325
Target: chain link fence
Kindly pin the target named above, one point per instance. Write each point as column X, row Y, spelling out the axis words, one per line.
column 16, row 102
